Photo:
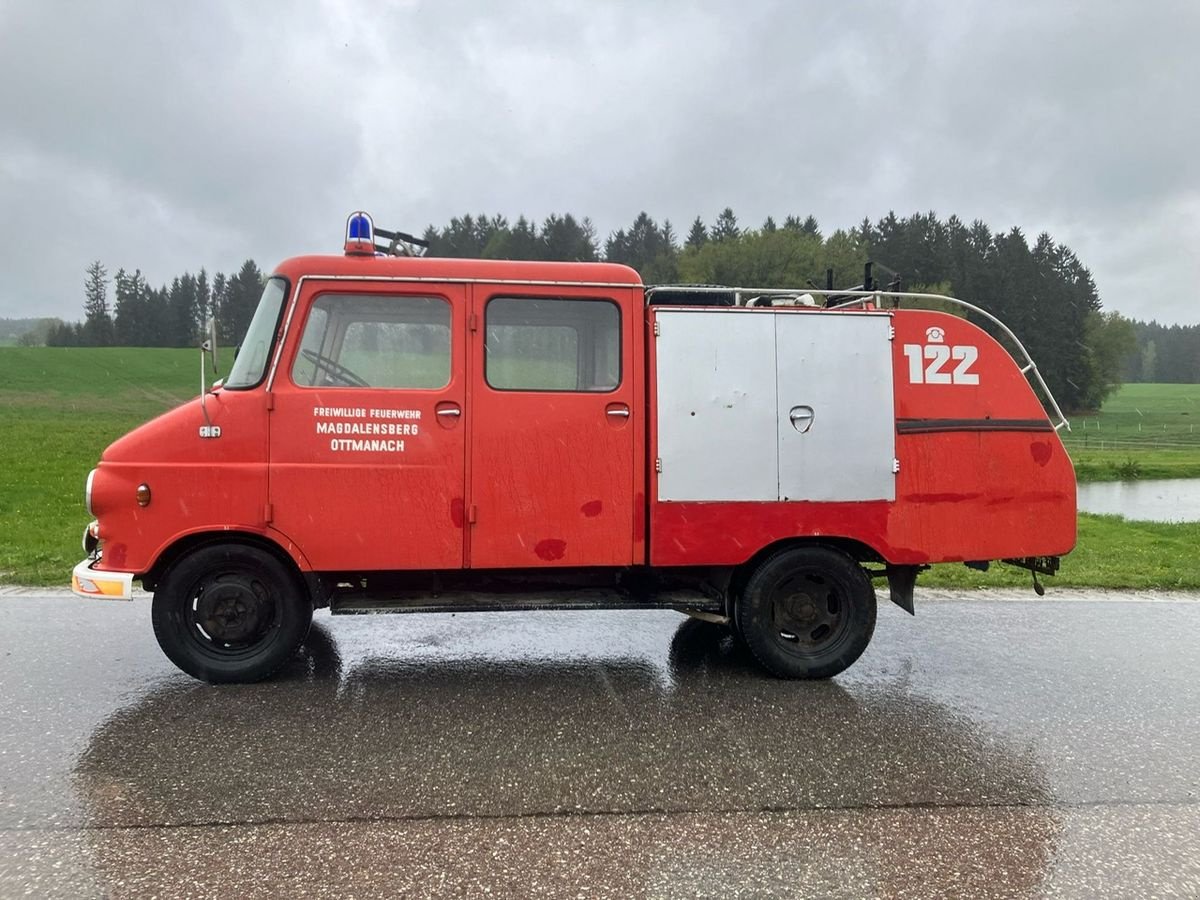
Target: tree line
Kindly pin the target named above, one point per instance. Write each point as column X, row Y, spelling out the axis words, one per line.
column 1169, row 353
column 168, row 316
column 1041, row 290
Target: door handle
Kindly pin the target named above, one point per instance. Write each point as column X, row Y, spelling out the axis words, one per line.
column 448, row 413
column 801, row 418
column 617, row 414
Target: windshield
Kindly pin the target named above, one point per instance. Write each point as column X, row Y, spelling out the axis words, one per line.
column 255, row 350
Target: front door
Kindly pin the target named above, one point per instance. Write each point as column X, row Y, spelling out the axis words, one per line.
column 554, row 424
column 367, row 434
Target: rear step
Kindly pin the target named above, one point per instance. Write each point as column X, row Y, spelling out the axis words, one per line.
column 361, row 603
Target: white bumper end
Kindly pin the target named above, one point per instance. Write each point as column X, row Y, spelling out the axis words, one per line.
column 89, row 582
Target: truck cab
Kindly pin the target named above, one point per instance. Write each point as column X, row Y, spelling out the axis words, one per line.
column 405, row 434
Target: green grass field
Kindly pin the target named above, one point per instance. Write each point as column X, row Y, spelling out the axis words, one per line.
column 1143, row 431
column 59, row 408
column 1111, row 553
column 1155, row 415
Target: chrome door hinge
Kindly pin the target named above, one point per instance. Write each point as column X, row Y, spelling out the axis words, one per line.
column 658, row 464
column 895, row 466
column 891, row 332
column 657, row 329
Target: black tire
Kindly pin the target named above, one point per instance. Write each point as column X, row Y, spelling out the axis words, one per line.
column 230, row 613
column 808, row 612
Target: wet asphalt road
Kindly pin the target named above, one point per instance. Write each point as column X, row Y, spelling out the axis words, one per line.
column 986, row 748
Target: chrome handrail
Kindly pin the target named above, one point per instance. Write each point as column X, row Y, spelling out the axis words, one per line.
column 742, row 296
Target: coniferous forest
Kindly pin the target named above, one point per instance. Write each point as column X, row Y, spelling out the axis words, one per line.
column 1039, row 288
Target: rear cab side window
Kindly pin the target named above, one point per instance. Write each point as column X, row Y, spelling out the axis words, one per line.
column 375, row 341
column 550, row 344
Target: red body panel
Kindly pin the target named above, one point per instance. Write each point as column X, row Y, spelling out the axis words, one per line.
column 553, row 473
column 462, row 270
column 197, row 485
column 396, row 507
column 523, row 479
column 960, row 494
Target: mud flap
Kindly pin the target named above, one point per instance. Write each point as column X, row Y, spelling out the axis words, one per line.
column 901, row 581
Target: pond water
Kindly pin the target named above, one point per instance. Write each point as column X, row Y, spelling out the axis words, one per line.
column 1165, row 500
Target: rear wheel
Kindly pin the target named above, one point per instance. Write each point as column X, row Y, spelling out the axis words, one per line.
column 230, row 613
column 808, row 612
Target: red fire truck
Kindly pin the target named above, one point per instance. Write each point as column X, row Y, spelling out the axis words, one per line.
column 406, row 434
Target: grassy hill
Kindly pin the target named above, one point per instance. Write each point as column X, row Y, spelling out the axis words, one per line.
column 59, row 407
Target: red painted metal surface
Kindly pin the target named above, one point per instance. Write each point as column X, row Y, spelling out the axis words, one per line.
column 553, row 473
column 368, row 478
column 197, row 485
column 271, row 473
column 962, row 493
column 540, row 479
column 436, row 269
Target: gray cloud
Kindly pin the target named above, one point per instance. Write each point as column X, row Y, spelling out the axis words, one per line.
column 173, row 135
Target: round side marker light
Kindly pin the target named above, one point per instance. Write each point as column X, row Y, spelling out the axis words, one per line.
column 143, row 494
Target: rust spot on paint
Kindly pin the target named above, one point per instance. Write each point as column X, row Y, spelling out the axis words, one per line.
column 456, row 512
column 550, row 549
column 1040, row 451
column 592, row 508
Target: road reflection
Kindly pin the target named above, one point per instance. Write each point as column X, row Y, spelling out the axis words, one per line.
column 817, row 786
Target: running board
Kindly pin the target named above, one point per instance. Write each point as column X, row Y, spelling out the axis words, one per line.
column 360, row 603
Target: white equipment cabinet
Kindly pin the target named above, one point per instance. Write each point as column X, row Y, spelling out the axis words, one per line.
column 770, row 405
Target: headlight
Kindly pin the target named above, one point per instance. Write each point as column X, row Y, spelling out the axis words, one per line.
column 87, row 492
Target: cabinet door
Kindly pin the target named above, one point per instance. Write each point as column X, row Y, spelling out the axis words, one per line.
column 716, row 405
column 836, row 424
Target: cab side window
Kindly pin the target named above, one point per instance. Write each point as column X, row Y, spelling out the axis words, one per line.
column 548, row 344
column 373, row 340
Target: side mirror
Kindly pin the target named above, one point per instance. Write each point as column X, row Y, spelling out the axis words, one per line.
column 207, row 346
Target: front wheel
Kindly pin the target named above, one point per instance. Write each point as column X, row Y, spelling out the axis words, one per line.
column 230, row 613
column 808, row 612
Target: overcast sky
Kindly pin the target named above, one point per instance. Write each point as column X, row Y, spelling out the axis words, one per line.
column 174, row 135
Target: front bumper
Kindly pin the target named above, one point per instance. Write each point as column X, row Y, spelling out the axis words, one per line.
column 89, row 582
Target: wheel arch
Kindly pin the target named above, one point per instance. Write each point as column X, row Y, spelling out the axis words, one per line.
column 309, row 582
column 854, row 549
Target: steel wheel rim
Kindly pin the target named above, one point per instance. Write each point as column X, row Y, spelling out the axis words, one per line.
column 232, row 615
column 810, row 613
